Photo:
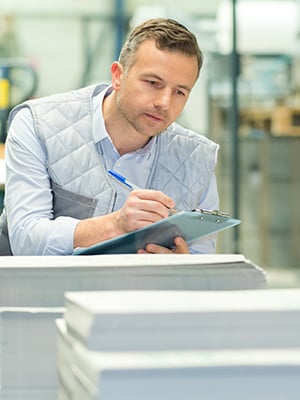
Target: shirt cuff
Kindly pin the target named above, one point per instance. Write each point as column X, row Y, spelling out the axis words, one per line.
column 61, row 238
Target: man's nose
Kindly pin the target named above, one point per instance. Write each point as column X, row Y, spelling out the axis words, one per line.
column 163, row 99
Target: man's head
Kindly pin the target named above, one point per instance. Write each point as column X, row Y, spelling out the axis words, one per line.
column 168, row 35
column 152, row 81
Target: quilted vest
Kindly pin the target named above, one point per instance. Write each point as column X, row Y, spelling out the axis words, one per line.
column 183, row 166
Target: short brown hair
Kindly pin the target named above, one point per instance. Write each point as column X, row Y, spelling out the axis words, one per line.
column 168, row 35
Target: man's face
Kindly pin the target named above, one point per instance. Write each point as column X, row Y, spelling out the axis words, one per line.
column 155, row 89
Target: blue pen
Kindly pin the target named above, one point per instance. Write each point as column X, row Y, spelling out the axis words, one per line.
column 120, row 178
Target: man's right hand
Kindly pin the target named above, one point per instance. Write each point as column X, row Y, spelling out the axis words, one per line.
column 141, row 208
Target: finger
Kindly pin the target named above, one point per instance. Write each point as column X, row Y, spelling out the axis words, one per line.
column 181, row 246
column 140, row 207
column 156, row 196
column 142, row 251
column 156, row 249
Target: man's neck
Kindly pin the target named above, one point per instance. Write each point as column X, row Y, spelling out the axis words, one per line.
column 123, row 136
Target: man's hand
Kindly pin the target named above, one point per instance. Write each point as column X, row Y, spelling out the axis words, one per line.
column 181, row 247
column 142, row 208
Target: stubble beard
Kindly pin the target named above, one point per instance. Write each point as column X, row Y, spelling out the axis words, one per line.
column 133, row 121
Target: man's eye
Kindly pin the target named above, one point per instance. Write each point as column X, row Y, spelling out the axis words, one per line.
column 152, row 83
column 180, row 93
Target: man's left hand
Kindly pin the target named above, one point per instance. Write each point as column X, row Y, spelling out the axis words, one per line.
column 181, row 247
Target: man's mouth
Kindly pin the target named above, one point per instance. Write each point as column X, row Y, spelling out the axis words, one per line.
column 154, row 117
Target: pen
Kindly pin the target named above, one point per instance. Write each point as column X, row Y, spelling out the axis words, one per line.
column 120, row 178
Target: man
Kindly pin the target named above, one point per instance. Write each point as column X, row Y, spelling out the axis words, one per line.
column 59, row 195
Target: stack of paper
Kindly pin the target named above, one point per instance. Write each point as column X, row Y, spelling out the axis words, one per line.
column 31, row 283
column 42, row 281
column 28, row 353
column 236, row 345
column 211, row 375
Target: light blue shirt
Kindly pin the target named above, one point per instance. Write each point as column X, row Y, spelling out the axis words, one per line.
column 28, row 193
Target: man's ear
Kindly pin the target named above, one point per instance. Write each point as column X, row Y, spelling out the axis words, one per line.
column 116, row 70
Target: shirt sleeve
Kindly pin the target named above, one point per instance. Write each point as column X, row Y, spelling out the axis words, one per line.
column 28, row 195
column 209, row 201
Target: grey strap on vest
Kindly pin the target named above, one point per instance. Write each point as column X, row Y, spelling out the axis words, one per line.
column 4, row 240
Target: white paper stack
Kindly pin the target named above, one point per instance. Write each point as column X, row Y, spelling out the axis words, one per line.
column 178, row 375
column 42, row 281
column 31, row 283
column 141, row 345
column 28, row 353
column 161, row 320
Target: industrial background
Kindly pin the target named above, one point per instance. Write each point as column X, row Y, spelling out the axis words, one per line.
column 247, row 98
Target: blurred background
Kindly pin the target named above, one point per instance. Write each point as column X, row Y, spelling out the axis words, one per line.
column 247, row 98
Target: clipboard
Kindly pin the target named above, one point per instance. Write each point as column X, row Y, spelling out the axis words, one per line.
column 190, row 225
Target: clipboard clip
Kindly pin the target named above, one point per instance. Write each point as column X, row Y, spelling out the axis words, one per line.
column 212, row 212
